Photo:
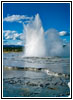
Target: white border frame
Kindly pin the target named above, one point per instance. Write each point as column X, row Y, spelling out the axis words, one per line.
column 70, row 47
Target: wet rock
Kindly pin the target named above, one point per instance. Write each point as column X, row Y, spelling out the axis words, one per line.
column 52, row 88
column 56, row 83
column 47, row 84
column 19, row 81
column 41, row 85
column 59, row 74
column 67, row 76
column 62, row 84
column 12, row 82
column 39, row 68
column 34, row 84
column 31, row 84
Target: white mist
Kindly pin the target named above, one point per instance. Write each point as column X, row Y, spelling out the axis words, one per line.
column 41, row 44
column 35, row 42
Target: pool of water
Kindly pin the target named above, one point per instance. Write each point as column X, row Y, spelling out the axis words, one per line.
column 35, row 76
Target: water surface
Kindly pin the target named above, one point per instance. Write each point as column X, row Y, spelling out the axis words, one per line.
column 35, row 76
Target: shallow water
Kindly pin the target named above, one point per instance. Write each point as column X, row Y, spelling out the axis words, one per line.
column 35, row 76
column 55, row 64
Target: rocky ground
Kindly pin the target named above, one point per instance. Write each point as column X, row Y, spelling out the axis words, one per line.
column 31, row 83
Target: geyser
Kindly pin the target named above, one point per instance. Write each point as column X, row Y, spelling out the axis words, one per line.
column 39, row 43
column 35, row 42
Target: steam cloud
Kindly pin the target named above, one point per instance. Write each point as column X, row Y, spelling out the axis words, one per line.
column 40, row 43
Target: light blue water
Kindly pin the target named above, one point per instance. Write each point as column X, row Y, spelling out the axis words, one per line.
column 39, row 77
column 55, row 64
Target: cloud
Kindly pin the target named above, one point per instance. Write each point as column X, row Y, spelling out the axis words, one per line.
column 8, row 37
column 19, row 43
column 22, row 37
column 27, row 21
column 17, row 18
column 20, row 22
column 13, row 35
column 64, row 33
column 16, row 35
column 7, row 32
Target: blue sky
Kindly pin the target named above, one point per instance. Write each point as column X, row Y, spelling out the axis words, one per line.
column 53, row 15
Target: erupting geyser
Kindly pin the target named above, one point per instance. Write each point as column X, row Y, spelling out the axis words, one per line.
column 35, row 43
column 39, row 43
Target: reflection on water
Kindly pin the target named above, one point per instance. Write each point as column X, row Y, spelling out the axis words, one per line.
column 55, row 64
column 34, row 76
